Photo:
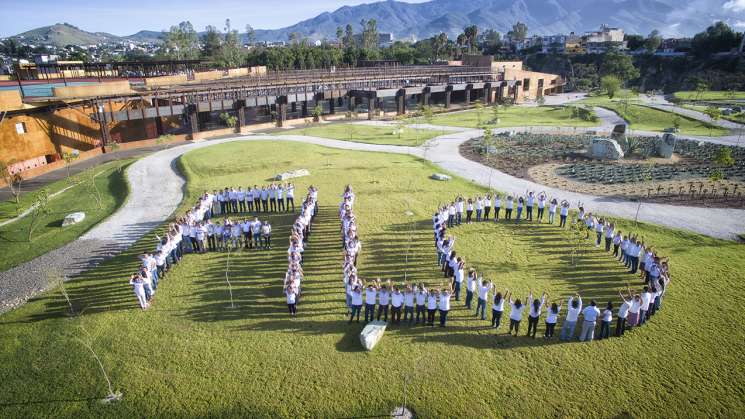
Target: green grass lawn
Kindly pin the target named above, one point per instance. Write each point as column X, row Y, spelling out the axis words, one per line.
column 49, row 234
column 191, row 355
column 644, row 118
column 709, row 95
column 738, row 117
column 514, row 116
column 367, row 134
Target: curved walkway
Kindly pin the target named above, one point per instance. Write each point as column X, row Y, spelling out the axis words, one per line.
column 659, row 102
column 157, row 190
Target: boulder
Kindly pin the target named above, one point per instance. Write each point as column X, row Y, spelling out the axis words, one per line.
column 606, row 149
column 440, row 176
column 292, row 174
column 73, row 218
column 371, row 334
column 666, row 145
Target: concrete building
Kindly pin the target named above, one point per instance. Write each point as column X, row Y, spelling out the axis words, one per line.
column 598, row 42
column 562, row 44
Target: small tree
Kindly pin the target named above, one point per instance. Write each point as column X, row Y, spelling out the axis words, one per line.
column 479, row 107
column 427, row 114
column 495, row 113
column 489, row 143
column 715, row 114
column 610, row 85
column 12, row 179
column 541, row 100
column 400, row 125
column 676, row 122
column 39, row 209
column 230, row 120
column 69, row 157
column 351, row 130
column 89, row 179
column 317, row 112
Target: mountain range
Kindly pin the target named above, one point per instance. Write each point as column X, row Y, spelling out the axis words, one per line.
column 421, row 20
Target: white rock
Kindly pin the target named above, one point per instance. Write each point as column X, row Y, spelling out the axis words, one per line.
column 292, row 174
column 440, row 176
column 371, row 334
column 605, row 148
column 73, row 218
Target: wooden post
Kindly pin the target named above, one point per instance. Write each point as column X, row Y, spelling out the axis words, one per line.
column 448, row 94
column 401, row 102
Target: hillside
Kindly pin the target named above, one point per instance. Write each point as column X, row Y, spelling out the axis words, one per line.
column 62, row 34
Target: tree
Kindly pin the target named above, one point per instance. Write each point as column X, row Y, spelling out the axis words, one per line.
column 349, row 37
column 229, row 120
column 369, row 34
column 339, row 35
column 439, row 43
column 714, row 113
column 619, row 65
column 231, row 54
column 718, row 37
column 89, row 178
column 634, row 42
column 479, row 107
column 495, row 114
column 653, row 41
column 427, row 114
column 471, row 33
column 250, row 35
column 610, row 85
column 39, row 208
column 317, row 112
column 701, row 88
column 181, row 42
column 12, row 179
column 519, row 32
column 211, row 42
column 69, row 157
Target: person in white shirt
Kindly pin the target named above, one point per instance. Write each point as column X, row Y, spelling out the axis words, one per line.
column 497, row 206
column 483, row 291
column 563, row 214
column 266, row 235
column 590, row 315
column 451, row 215
column 291, row 294
column 574, row 307
column 233, row 195
column 264, row 199
column 397, row 301
column 458, row 276
column 516, row 315
column 432, row 297
column 241, row 197
column 257, row 198
column 356, row 303
column 552, row 317
column 623, row 312
column 508, row 208
column 280, row 198
column 479, row 204
column 487, row 207
column 552, row 210
column 646, row 301
column 409, row 297
column 273, row 197
column 256, row 231
column 421, row 301
column 606, row 321
column 617, row 239
column 371, row 294
column 384, row 296
column 541, row 206
column 471, row 284
column 497, row 308
column 459, row 204
column 535, row 313
column 138, row 286
column 290, row 196
column 529, row 201
column 444, row 303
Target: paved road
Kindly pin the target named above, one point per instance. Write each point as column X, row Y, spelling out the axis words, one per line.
column 659, row 102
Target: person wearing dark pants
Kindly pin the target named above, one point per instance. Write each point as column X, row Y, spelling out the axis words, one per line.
column 356, row 304
column 370, row 295
column 471, row 284
column 291, row 293
column 483, row 291
column 497, row 309
column 497, row 207
column 273, row 198
column 264, row 199
column 552, row 317
column 432, row 297
column 529, row 207
column 516, row 315
column 281, row 198
column 444, row 303
column 606, row 321
column 421, row 300
column 383, row 296
column 290, row 196
column 257, row 198
column 563, row 213
column 623, row 313
column 241, row 195
column 535, row 313
column 397, row 301
column 487, row 207
column 409, row 305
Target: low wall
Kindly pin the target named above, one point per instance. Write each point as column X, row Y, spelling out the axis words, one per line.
column 10, row 99
column 101, row 89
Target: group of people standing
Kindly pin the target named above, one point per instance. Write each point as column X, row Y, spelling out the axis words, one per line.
column 418, row 304
column 275, row 197
column 467, row 210
column 299, row 234
column 636, row 307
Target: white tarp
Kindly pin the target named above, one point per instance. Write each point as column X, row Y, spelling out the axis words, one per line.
column 371, row 334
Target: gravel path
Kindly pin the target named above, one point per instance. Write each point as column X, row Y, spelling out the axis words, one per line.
column 156, row 186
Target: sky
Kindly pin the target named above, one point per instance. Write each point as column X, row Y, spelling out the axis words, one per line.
column 124, row 18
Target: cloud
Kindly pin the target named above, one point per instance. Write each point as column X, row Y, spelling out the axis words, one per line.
column 739, row 24
column 735, row 5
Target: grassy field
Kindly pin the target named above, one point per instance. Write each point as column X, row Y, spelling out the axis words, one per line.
column 514, row 116
column 49, row 235
column 709, row 95
column 644, row 118
column 192, row 355
column 367, row 134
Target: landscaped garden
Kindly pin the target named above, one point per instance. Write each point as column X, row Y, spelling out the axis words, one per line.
column 191, row 354
column 97, row 192
column 644, row 118
column 517, row 116
column 393, row 135
column 695, row 175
